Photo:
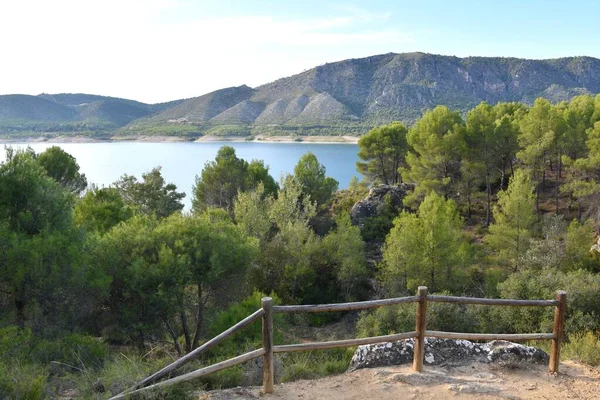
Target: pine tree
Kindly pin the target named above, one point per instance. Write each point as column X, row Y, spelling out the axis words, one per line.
column 514, row 219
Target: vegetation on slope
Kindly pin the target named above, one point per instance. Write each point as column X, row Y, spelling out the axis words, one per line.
column 97, row 289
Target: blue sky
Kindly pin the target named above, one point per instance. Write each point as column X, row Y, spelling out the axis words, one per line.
column 160, row 50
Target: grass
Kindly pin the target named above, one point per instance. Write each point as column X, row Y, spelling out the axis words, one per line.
column 583, row 347
column 315, row 364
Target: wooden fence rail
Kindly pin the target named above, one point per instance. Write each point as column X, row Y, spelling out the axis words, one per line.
column 419, row 334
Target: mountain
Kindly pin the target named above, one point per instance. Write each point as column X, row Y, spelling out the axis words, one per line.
column 352, row 95
column 346, row 97
column 71, row 113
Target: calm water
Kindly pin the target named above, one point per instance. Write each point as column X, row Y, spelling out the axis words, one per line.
column 104, row 163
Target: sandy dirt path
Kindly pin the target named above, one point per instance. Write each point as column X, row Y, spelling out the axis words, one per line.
column 472, row 381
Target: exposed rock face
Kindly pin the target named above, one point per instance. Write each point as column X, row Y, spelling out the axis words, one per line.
column 376, row 201
column 397, row 87
column 445, row 351
column 595, row 249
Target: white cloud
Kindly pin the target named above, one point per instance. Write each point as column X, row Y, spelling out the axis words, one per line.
column 146, row 51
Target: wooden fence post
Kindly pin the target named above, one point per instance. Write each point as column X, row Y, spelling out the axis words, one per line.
column 267, row 336
column 558, row 330
column 419, row 350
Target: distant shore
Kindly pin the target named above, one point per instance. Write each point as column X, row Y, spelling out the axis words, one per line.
column 171, row 139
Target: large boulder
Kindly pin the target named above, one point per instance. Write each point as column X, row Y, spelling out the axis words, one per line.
column 378, row 199
column 446, row 351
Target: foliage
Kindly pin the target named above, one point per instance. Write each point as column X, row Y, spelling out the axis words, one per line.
column 346, row 252
column 433, row 164
column 315, row 364
column 222, row 179
column 22, row 381
column 249, row 337
column 31, row 201
column 343, row 200
column 152, row 264
column 583, row 347
column 514, row 217
column 101, row 209
column 490, row 139
column 310, row 174
column 124, row 264
column 62, row 167
column 427, row 248
column 583, row 304
column 383, row 150
column 397, row 319
column 151, row 196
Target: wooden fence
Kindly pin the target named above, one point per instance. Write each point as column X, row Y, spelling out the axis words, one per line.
column 422, row 298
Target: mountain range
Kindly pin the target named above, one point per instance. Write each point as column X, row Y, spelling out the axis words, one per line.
column 341, row 98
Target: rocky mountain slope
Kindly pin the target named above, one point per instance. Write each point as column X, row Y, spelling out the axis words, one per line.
column 352, row 94
column 346, row 97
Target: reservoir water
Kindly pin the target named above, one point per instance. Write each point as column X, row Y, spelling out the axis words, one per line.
column 104, row 163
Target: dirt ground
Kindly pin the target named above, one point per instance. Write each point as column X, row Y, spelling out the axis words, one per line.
column 472, row 381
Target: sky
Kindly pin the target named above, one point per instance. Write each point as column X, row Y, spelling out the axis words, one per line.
column 162, row 50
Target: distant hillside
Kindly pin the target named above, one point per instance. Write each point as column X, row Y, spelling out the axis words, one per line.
column 70, row 113
column 346, row 97
column 350, row 96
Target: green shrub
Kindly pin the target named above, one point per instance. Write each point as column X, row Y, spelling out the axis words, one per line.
column 22, row 381
column 396, row 319
column 583, row 347
column 250, row 336
column 315, row 364
column 583, row 302
column 76, row 350
column 376, row 228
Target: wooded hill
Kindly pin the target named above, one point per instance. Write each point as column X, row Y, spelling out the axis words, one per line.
column 347, row 97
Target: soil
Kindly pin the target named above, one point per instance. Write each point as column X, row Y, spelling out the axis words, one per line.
column 470, row 381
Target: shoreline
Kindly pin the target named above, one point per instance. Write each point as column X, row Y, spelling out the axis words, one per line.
column 177, row 139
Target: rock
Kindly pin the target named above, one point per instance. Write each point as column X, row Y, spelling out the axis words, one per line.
column 505, row 353
column 376, row 202
column 595, row 249
column 472, row 388
column 383, row 354
column 446, row 351
column 98, row 386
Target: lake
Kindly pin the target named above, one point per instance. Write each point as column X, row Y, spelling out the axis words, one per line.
column 104, row 163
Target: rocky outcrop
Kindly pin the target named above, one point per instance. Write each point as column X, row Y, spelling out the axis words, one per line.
column 379, row 198
column 447, row 352
column 595, row 249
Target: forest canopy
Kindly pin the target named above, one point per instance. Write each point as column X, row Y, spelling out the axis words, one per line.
column 503, row 202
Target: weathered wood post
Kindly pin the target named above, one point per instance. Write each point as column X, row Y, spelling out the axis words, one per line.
column 558, row 330
column 419, row 350
column 267, row 336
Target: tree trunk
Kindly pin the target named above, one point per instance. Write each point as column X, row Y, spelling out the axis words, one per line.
column 488, row 189
column 543, row 179
column 557, row 181
column 537, row 199
column 20, row 308
column 174, row 337
column 502, row 174
column 469, row 204
column 186, row 332
column 199, row 319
